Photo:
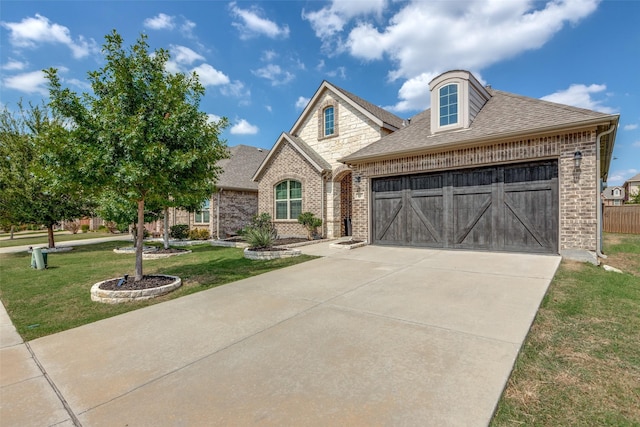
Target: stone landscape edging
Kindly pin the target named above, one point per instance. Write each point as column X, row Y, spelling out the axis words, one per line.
column 115, row 297
column 267, row 255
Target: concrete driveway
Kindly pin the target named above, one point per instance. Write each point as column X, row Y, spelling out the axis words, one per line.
column 375, row 336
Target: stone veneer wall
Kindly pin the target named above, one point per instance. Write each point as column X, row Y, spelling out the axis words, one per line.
column 353, row 130
column 577, row 190
column 288, row 164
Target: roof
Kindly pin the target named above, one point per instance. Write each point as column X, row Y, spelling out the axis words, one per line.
column 301, row 147
column 239, row 168
column 379, row 115
column 633, row 178
column 504, row 115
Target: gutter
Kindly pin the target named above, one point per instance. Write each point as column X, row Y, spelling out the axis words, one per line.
column 480, row 140
column 598, row 192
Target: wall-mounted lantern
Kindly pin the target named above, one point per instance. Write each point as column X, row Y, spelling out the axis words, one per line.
column 577, row 159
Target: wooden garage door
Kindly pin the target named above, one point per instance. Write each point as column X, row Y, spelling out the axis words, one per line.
column 503, row 208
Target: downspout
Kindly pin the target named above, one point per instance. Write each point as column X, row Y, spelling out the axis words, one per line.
column 323, row 216
column 598, row 192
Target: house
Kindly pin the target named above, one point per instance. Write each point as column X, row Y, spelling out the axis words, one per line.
column 613, row 196
column 632, row 187
column 482, row 169
column 235, row 200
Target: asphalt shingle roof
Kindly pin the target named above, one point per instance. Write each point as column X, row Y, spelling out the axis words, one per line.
column 504, row 114
column 384, row 115
column 239, row 168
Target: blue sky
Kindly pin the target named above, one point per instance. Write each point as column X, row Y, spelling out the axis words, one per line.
column 261, row 61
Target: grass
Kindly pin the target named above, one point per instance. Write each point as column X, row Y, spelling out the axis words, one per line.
column 43, row 302
column 43, row 240
column 580, row 364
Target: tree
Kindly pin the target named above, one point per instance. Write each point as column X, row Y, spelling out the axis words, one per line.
column 634, row 197
column 140, row 132
column 29, row 190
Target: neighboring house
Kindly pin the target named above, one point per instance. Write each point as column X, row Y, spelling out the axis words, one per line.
column 613, row 196
column 235, row 200
column 631, row 187
column 481, row 170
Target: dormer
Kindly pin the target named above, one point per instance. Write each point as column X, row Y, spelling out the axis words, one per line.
column 456, row 98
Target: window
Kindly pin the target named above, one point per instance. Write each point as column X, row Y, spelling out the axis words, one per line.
column 288, row 200
column 449, row 105
column 329, row 127
column 202, row 214
column 616, row 192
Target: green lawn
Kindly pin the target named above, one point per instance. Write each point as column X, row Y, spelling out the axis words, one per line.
column 43, row 240
column 42, row 302
column 580, row 364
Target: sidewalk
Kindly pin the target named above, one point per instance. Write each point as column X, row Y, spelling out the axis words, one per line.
column 26, row 395
column 24, row 248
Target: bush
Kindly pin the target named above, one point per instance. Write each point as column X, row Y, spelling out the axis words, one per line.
column 311, row 223
column 102, row 229
column 261, row 233
column 199, row 234
column 84, row 228
column 179, row 231
column 73, row 227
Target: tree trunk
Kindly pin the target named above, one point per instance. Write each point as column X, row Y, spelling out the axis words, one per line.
column 139, row 240
column 12, row 230
column 166, row 228
column 52, row 244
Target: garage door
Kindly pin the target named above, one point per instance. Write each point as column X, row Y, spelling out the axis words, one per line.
column 502, row 208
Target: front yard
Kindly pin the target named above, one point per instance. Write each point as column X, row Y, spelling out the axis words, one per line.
column 43, row 302
column 580, row 365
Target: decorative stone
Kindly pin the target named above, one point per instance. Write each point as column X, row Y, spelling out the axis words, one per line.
column 348, row 246
column 267, row 255
column 115, row 297
column 152, row 255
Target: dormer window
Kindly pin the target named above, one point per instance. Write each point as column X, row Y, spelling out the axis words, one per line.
column 449, row 105
column 329, row 128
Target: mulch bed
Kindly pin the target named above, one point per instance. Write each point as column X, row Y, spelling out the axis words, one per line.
column 147, row 282
column 349, row 242
column 169, row 251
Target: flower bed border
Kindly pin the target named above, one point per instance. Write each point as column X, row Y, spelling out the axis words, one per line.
column 267, row 255
column 115, row 297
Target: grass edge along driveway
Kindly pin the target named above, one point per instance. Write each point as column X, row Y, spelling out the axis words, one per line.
column 43, row 302
column 580, row 364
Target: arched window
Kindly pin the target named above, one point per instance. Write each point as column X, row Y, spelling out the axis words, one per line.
column 288, row 199
column 329, row 128
column 448, row 105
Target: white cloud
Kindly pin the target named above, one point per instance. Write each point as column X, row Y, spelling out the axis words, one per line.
column 340, row 72
column 14, row 65
column 243, row 127
column 332, row 19
column 184, row 55
column 213, row 118
column 620, row 176
column 268, row 55
column 636, row 144
column 302, row 102
column 414, row 94
column 252, row 24
column 268, row 108
column 160, row 22
column 79, row 84
column 33, row 82
column 34, row 31
column 579, row 95
column 275, row 74
column 209, row 76
column 187, row 28
column 632, row 126
column 236, row 89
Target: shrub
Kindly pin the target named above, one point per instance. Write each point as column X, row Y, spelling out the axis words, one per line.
column 84, row 227
column 261, row 233
column 199, row 234
column 311, row 223
column 179, row 231
column 102, row 229
column 73, row 227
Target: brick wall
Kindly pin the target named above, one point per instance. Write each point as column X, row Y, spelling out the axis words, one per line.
column 288, row 164
column 236, row 210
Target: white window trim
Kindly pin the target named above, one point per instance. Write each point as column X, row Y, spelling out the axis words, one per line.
column 288, row 200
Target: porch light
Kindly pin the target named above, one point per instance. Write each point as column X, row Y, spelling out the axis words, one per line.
column 577, row 159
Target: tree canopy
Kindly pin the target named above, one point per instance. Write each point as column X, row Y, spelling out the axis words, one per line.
column 30, row 190
column 140, row 132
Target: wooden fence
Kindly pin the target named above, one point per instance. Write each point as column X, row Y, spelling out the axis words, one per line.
column 621, row 219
